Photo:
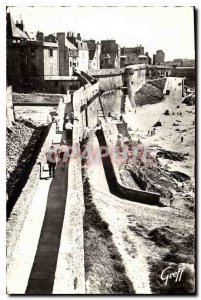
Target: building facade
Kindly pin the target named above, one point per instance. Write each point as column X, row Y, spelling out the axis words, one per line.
column 94, row 54
column 139, row 50
column 28, row 59
column 110, row 54
column 68, row 55
column 133, row 55
column 159, row 57
column 158, row 71
column 83, row 51
column 143, row 59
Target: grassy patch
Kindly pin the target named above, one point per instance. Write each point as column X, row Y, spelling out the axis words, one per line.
column 104, row 269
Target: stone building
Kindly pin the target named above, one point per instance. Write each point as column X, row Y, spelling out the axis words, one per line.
column 128, row 59
column 29, row 59
column 158, row 71
column 182, row 62
column 110, row 54
column 83, row 51
column 143, row 59
column 187, row 72
column 139, row 50
column 94, row 54
column 68, row 55
column 133, row 55
column 159, row 57
column 148, row 58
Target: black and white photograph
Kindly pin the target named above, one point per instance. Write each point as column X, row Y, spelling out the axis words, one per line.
column 100, row 149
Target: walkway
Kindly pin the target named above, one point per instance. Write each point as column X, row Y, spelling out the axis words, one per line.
column 41, row 279
column 34, row 260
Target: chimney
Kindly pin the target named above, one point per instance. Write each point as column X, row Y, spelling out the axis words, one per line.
column 61, row 36
column 78, row 37
column 68, row 34
column 20, row 25
column 40, row 36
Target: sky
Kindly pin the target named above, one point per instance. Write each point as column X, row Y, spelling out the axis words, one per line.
column 168, row 28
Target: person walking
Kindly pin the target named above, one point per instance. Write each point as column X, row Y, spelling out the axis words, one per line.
column 68, row 127
column 63, row 153
column 51, row 160
column 57, row 123
column 86, row 134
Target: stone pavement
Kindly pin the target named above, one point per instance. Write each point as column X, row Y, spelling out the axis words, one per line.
column 41, row 279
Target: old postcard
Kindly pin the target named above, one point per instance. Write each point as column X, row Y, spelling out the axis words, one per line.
column 100, row 132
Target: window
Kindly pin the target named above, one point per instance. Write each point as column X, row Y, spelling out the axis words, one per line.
column 50, row 52
column 56, row 83
column 70, row 63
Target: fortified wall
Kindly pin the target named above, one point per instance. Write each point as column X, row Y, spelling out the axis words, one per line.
column 111, row 79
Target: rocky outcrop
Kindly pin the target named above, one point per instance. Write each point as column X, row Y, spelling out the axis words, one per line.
column 23, row 146
column 155, row 179
column 150, row 93
column 17, row 141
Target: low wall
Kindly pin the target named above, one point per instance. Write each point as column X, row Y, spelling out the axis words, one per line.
column 71, row 257
column 112, row 172
column 105, row 72
column 81, row 99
